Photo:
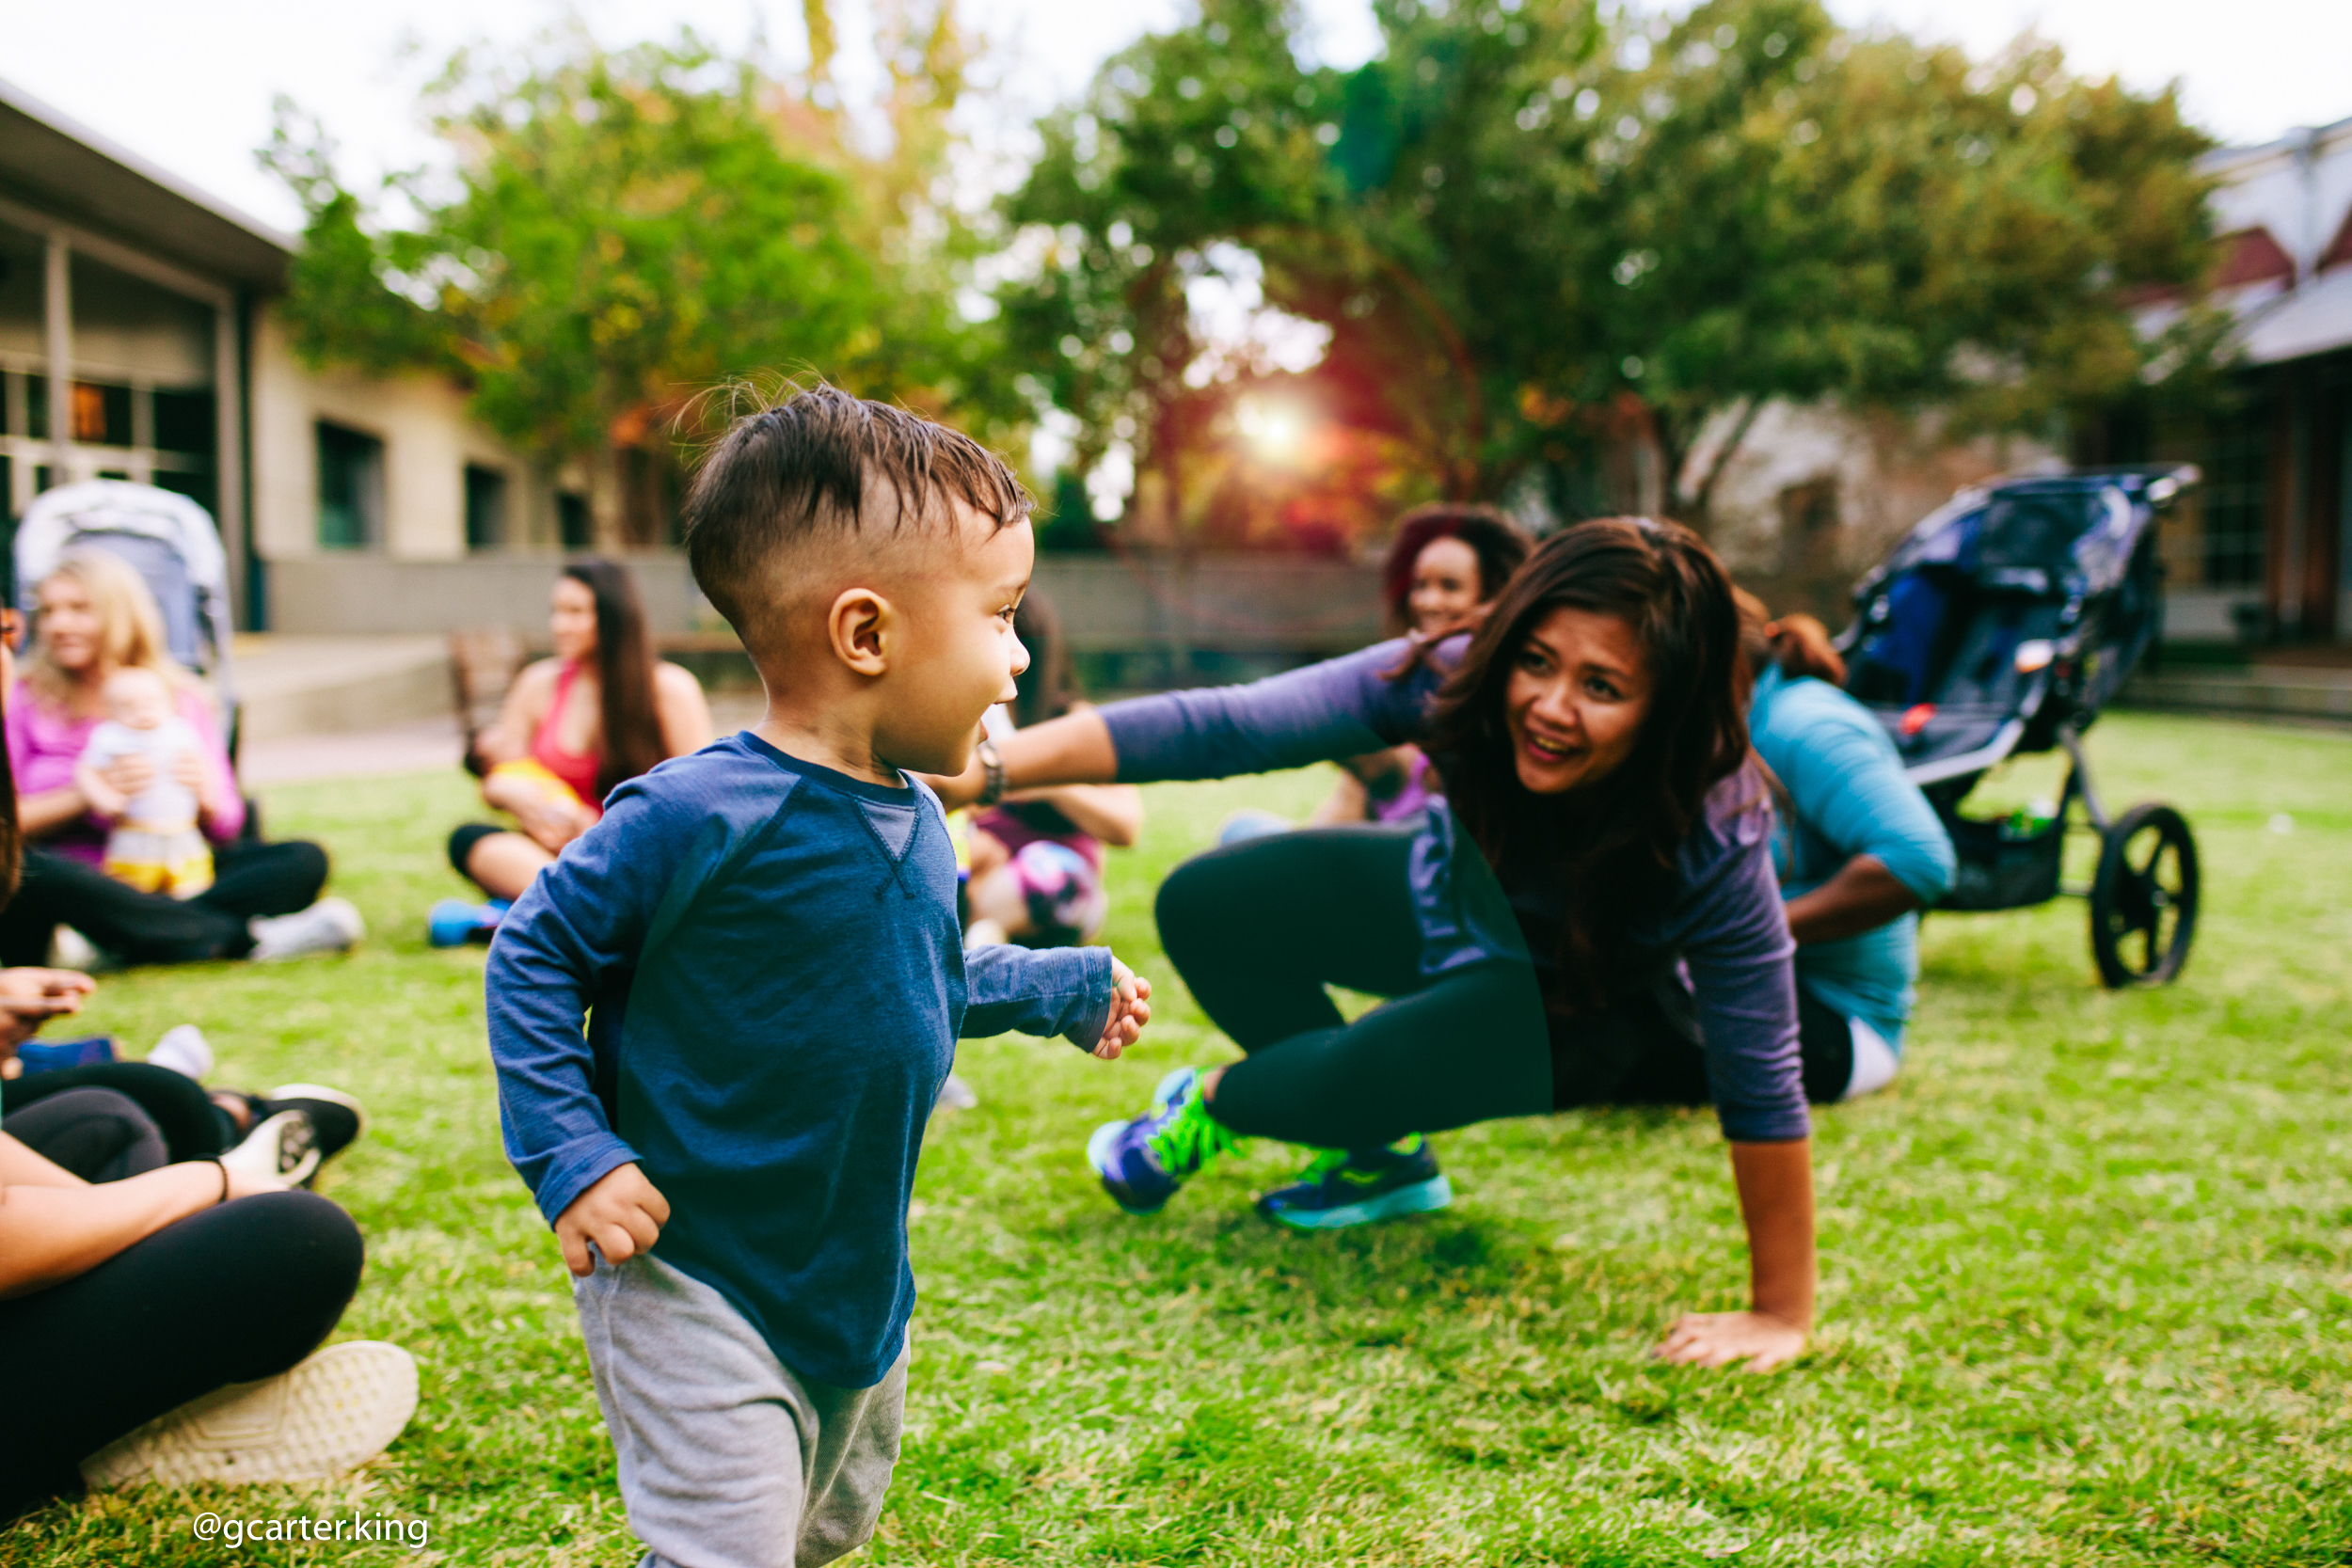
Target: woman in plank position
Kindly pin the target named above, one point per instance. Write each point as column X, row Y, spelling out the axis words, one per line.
column 1588, row 916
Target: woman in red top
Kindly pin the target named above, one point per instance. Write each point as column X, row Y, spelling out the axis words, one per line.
column 601, row 711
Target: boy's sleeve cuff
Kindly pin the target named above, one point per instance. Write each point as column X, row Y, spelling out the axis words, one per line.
column 1088, row 1032
column 580, row 1168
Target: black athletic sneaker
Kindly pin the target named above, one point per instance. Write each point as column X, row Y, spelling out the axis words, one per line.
column 1344, row 1188
column 337, row 1118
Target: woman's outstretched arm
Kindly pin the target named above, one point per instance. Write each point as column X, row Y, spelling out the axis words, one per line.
column 1319, row 714
column 1074, row 749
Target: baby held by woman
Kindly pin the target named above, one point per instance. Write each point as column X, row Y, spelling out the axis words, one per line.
column 155, row 845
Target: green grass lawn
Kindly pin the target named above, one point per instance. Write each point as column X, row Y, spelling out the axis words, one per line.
column 2084, row 1299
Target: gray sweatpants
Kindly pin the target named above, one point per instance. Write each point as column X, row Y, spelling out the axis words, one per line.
column 728, row 1458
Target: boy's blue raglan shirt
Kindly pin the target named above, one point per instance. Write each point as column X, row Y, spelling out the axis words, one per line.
column 766, row 955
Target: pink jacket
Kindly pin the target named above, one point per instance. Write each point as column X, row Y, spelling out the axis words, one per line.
column 43, row 746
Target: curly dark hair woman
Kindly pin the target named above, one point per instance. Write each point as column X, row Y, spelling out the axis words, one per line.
column 1428, row 588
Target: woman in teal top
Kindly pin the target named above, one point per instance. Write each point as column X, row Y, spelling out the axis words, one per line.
column 1859, row 851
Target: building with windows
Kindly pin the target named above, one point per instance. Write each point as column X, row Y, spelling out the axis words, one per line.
column 2264, row 551
column 138, row 340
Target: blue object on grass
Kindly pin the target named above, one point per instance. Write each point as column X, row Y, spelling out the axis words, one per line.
column 55, row 1056
column 455, row 923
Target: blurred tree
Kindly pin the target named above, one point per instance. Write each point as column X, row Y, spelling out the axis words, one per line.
column 1549, row 245
column 625, row 228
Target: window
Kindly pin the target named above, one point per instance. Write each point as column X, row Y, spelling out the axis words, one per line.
column 485, row 507
column 575, row 526
column 183, row 422
column 2236, row 495
column 351, row 489
column 102, row 414
column 197, row 488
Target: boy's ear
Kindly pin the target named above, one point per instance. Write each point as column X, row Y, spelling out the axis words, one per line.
column 858, row 629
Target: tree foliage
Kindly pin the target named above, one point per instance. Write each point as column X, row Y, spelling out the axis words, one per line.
column 1540, row 238
column 617, row 229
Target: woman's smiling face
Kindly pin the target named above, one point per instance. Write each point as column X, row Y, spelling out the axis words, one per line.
column 1447, row 586
column 1578, row 690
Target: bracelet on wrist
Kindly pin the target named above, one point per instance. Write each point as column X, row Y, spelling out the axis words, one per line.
column 992, row 765
column 223, row 1167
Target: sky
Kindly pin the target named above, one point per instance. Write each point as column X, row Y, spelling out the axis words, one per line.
column 190, row 87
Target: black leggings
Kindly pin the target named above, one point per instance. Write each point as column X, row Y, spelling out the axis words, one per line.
column 249, row 879
column 231, row 1295
column 182, row 1112
column 98, row 1135
column 1260, row 928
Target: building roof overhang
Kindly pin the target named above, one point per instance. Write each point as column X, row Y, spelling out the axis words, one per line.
column 2312, row 319
column 61, row 169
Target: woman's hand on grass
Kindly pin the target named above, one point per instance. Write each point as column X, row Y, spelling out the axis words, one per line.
column 623, row 1213
column 1721, row 1338
column 1131, row 1009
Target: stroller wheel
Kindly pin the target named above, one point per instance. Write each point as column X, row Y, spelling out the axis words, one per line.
column 2143, row 901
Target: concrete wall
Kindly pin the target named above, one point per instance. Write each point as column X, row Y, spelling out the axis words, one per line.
column 427, row 439
column 1229, row 605
column 327, row 592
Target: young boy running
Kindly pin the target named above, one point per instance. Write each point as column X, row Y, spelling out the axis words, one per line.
column 762, row 939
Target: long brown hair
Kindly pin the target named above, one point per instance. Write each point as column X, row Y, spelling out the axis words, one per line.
column 632, row 724
column 1612, row 845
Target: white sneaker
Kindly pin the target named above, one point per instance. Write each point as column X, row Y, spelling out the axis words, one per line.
column 955, row 1095
column 285, row 1145
column 70, row 949
column 338, row 1409
column 184, row 1050
column 329, row 925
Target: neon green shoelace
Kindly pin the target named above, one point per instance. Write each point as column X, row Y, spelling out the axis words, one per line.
column 1192, row 1140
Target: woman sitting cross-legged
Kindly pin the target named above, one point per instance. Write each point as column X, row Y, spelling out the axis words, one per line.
column 601, row 711
column 162, row 1325
column 93, row 617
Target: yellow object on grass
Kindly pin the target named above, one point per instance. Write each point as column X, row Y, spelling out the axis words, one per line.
column 550, row 788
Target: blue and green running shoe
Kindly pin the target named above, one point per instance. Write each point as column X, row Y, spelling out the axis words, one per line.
column 1362, row 1186
column 1144, row 1161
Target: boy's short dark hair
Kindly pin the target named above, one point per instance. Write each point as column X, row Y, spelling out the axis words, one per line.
column 799, row 468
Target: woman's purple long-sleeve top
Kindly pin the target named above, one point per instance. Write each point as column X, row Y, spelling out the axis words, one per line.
column 1725, row 925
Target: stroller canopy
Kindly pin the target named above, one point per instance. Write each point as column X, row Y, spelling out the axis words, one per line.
column 170, row 540
column 2027, row 600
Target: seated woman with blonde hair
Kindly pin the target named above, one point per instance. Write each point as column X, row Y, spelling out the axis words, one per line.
column 94, row 617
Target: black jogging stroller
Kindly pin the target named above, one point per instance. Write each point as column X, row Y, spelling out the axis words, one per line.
column 2002, row 625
